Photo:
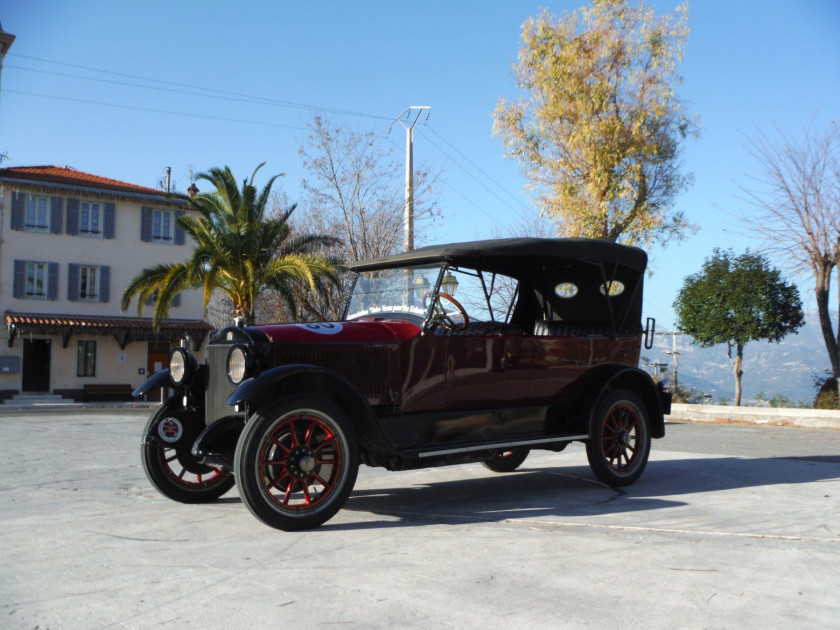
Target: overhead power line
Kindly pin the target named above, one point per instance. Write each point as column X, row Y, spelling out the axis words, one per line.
column 470, row 169
column 480, row 170
column 209, row 91
column 477, row 180
column 155, row 110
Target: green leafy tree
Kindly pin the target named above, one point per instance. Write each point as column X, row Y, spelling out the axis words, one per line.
column 599, row 130
column 734, row 300
column 240, row 251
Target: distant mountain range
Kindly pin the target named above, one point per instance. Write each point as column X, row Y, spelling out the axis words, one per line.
column 788, row 368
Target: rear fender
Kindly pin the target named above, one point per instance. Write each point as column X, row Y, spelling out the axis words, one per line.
column 656, row 401
column 582, row 400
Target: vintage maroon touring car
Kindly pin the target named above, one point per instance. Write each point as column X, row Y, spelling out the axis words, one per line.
column 470, row 352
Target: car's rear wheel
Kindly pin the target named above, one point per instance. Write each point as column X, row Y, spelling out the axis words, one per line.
column 296, row 462
column 506, row 460
column 173, row 470
column 619, row 440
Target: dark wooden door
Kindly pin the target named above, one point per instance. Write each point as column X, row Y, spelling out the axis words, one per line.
column 36, row 365
column 158, row 360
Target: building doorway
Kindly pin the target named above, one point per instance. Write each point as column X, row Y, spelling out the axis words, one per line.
column 36, row 365
column 158, row 360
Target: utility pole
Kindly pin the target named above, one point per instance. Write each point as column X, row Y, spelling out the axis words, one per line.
column 674, row 353
column 416, row 111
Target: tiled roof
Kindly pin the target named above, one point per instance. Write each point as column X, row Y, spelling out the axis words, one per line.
column 105, row 324
column 71, row 177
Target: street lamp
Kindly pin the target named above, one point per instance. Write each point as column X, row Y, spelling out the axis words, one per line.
column 449, row 284
column 421, row 287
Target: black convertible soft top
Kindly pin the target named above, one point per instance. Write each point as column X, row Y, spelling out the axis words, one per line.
column 511, row 254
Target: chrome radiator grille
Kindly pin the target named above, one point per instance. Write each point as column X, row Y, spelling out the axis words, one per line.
column 219, row 388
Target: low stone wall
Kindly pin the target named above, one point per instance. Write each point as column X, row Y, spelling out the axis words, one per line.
column 775, row 416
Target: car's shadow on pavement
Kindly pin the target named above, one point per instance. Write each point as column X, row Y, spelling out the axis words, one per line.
column 559, row 492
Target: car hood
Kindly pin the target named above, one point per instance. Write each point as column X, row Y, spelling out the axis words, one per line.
column 371, row 331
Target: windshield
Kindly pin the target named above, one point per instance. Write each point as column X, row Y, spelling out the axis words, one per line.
column 393, row 293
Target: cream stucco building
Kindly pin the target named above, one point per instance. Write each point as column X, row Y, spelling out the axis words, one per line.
column 69, row 243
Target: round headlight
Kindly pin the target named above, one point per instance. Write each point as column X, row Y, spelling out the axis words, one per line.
column 181, row 366
column 237, row 364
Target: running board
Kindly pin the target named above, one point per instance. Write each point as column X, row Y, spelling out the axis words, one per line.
column 498, row 445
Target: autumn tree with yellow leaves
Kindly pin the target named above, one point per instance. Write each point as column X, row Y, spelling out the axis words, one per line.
column 599, row 129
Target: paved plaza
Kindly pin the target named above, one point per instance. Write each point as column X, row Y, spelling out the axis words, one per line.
column 729, row 527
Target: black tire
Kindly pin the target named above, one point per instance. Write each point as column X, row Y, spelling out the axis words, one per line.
column 619, row 441
column 506, row 460
column 173, row 471
column 296, row 462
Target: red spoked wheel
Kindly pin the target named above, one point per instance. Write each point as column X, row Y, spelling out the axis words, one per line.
column 619, row 442
column 506, row 460
column 174, row 472
column 297, row 462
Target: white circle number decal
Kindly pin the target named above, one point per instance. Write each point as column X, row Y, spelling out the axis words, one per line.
column 322, row 329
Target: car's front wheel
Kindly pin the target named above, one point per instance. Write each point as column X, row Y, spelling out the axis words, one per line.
column 619, row 440
column 173, row 470
column 296, row 462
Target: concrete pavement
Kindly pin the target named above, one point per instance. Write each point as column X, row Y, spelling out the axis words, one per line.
column 707, row 538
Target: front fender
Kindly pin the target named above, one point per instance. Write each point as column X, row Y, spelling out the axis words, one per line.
column 173, row 426
column 254, row 388
column 161, row 379
column 298, row 378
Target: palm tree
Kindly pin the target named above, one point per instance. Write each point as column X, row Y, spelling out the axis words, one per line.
column 239, row 250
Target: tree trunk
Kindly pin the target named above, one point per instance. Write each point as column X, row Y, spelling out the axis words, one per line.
column 739, row 361
column 823, row 287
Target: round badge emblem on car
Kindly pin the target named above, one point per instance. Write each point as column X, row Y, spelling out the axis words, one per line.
column 170, row 430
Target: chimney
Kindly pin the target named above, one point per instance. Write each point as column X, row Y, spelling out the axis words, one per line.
column 168, row 177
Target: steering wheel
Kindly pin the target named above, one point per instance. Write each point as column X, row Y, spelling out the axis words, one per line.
column 444, row 318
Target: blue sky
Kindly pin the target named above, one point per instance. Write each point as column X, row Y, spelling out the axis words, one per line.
column 749, row 65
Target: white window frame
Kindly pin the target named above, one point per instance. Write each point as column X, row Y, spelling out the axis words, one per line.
column 89, row 283
column 31, row 212
column 163, row 226
column 91, row 218
column 36, row 271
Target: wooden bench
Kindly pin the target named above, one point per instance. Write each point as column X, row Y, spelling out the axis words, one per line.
column 106, row 391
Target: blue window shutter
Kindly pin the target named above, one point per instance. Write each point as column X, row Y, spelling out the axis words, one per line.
column 52, row 285
column 146, row 223
column 150, row 300
column 73, row 282
column 179, row 232
column 104, row 283
column 109, row 223
column 176, row 301
column 72, row 215
column 19, row 289
column 56, row 215
column 18, row 211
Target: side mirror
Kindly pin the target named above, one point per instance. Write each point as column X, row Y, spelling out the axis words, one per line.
column 650, row 331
